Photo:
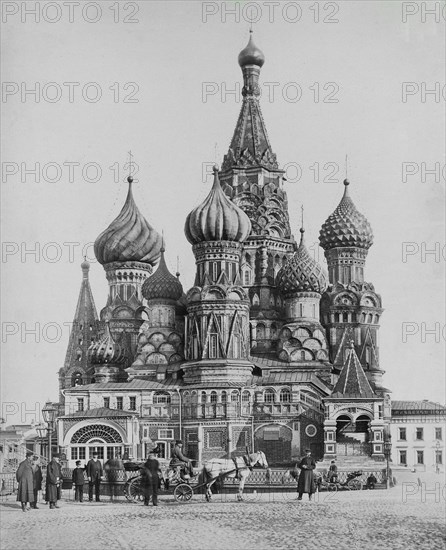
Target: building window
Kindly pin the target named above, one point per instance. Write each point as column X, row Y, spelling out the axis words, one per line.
column 80, row 403
column 420, row 457
column 402, row 434
column 246, row 278
column 246, row 397
column 285, row 395
column 165, row 433
column 119, row 403
column 161, row 398
column 162, row 449
column 106, row 402
column 380, row 411
column 438, row 434
column 213, row 397
column 419, row 436
column 212, row 346
column 77, row 453
column 235, row 396
column 403, row 457
column 132, row 405
column 203, row 397
column 224, row 397
column 99, row 450
column 269, row 396
column 438, row 457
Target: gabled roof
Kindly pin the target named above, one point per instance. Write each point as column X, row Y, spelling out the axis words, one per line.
column 352, row 382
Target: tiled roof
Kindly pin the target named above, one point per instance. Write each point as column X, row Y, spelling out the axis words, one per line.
column 129, row 386
column 99, row 413
column 421, row 407
column 288, row 378
column 352, row 382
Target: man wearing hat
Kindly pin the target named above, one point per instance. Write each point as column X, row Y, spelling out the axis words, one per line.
column 151, row 475
column 53, row 481
column 38, row 478
column 24, row 475
column 78, row 481
column 178, row 459
column 94, row 474
column 305, row 483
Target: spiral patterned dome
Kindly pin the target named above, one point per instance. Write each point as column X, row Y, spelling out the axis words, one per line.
column 129, row 237
column 251, row 55
column 106, row 350
column 346, row 226
column 301, row 273
column 217, row 219
column 162, row 284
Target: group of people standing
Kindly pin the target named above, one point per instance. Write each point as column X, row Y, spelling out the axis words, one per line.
column 29, row 476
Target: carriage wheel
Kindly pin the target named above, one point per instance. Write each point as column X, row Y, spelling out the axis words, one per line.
column 355, row 485
column 133, row 490
column 183, row 492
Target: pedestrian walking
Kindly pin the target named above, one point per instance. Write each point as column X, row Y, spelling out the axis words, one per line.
column 94, row 474
column 151, row 480
column 25, row 478
column 306, row 483
column 53, row 481
column 78, row 481
column 37, row 479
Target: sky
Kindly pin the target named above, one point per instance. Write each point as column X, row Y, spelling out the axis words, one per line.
column 161, row 79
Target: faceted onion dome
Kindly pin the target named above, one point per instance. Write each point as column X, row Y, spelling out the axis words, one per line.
column 106, row 350
column 251, row 55
column 162, row 284
column 301, row 273
column 129, row 237
column 346, row 226
column 217, row 218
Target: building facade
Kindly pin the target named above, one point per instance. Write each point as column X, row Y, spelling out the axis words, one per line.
column 266, row 351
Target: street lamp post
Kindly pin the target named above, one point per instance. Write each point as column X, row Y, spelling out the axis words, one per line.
column 49, row 412
column 387, row 451
column 41, row 432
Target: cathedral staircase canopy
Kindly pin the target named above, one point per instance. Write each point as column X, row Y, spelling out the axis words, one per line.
column 217, row 218
column 129, row 237
column 346, row 226
column 352, row 382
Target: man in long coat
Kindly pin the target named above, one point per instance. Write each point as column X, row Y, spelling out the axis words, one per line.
column 53, row 481
column 178, row 459
column 38, row 477
column 306, row 483
column 151, row 480
column 94, row 474
column 24, row 476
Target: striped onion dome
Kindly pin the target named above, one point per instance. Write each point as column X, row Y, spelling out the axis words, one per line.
column 346, row 227
column 217, row 218
column 106, row 350
column 162, row 284
column 302, row 273
column 129, row 237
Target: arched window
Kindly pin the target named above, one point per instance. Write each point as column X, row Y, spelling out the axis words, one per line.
column 203, row 397
column 260, row 331
column 213, row 397
column 235, row 397
column 368, row 355
column 76, row 379
column 285, row 395
column 246, row 277
column 302, row 356
column 161, row 398
column 269, row 396
column 246, row 397
column 224, row 397
column 186, row 397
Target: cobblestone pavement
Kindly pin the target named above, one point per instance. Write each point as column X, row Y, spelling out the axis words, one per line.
column 404, row 517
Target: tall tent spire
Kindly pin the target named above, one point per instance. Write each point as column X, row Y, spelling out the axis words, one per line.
column 352, row 381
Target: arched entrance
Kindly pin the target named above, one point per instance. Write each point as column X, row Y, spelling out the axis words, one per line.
column 343, row 426
column 362, row 428
column 103, row 439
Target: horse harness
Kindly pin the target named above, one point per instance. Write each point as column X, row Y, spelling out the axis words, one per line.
column 238, row 468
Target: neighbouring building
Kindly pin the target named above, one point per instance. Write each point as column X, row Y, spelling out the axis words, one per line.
column 418, row 431
column 266, row 351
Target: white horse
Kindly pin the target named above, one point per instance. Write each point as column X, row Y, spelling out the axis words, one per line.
column 239, row 467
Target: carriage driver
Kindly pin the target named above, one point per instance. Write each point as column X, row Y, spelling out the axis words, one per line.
column 178, row 459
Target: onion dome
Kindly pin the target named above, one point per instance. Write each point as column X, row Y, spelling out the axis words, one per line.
column 106, row 350
column 346, row 227
column 129, row 238
column 217, row 218
column 301, row 273
column 251, row 55
column 162, row 284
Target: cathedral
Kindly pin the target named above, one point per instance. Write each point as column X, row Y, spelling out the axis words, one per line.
column 266, row 351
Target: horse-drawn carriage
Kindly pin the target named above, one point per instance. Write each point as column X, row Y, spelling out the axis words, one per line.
column 213, row 471
column 352, row 482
